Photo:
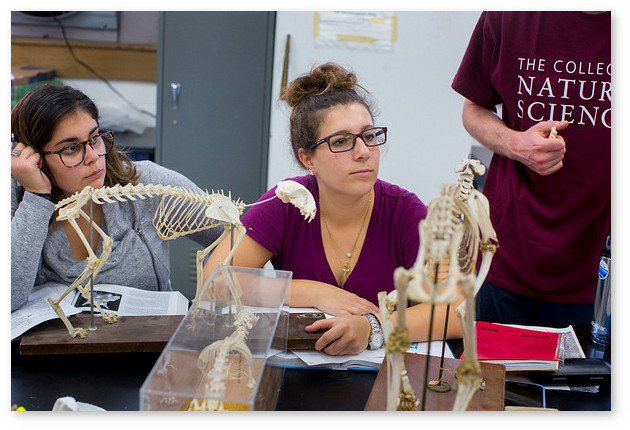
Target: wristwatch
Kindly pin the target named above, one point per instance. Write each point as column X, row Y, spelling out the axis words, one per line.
column 376, row 336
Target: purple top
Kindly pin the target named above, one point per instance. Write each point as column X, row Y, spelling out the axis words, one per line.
column 392, row 238
column 547, row 66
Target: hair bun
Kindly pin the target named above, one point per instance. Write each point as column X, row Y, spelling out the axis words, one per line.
column 321, row 79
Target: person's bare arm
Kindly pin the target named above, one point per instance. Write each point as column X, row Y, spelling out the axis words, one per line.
column 302, row 292
column 419, row 320
column 532, row 147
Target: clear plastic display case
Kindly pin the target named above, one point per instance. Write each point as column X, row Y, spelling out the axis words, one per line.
column 218, row 358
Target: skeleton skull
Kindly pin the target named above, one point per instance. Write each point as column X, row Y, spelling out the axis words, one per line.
column 296, row 194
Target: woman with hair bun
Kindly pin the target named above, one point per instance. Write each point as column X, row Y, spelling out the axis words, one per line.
column 364, row 227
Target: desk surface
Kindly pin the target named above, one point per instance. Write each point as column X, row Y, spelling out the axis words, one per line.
column 113, row 381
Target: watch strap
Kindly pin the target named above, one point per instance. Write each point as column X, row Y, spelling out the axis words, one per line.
column 376, row 335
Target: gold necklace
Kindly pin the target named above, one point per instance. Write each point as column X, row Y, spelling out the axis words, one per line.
column 345, row 268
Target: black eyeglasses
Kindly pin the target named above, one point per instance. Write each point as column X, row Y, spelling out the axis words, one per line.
column 342, row 142
column 74, row 154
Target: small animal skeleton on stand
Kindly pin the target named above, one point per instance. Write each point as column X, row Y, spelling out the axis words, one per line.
column 456, row 228
column 181, row 212
column 216, row 365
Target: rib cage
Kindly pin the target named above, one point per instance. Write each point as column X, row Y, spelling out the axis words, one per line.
column 444, row 214
column 177, row 216
column 184, row 214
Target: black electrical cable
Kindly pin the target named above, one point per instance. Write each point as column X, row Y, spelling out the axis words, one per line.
column 101, row 77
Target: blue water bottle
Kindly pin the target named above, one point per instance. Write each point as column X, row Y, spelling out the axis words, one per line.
column 600, row 324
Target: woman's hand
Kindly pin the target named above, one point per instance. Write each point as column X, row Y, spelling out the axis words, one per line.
column 26, row 169
column 345, row 335
column 329, row 298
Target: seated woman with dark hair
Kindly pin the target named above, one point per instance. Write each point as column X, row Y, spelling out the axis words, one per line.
column 60, row 150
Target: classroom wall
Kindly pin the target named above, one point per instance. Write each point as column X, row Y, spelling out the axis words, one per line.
column 411, row 84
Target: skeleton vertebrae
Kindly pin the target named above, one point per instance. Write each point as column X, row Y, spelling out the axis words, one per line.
column 216, row 365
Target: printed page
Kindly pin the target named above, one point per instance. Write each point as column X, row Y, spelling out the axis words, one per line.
column 124, row 301
column 38, row 309
column 128, row 301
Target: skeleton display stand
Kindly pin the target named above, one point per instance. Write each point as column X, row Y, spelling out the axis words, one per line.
column 218, row 357
column 456, row 232
column 181, row 211
column 491, row 398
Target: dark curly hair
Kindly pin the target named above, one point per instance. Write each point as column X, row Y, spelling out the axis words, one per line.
column 311, row 95
column 35, row 117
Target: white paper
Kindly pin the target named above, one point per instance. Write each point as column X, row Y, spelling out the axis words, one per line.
column 315, row 358
column 365, row 30
column 36, row 312
column 436, row 349
column 368, row 358
column 121, row 300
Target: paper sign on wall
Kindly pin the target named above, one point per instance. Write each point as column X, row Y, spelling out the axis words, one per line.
column 355, row 30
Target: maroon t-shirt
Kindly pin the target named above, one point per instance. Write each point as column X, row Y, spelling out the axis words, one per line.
column 392, row 238
column 546, row 66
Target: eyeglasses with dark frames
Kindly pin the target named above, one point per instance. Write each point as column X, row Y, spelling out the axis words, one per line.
column 342, row 142
column 74, row 154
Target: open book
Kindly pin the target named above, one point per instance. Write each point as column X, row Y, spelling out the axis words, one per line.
column 520, row 347
column 366, row 360
column 121, row 300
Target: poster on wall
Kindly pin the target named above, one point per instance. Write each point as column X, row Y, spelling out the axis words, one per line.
column 355, row 30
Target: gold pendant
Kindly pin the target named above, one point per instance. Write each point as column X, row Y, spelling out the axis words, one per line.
column 346, row 269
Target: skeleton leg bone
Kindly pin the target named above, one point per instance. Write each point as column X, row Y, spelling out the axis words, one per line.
column 201, row 256
column 469, row 371
column 92, row 268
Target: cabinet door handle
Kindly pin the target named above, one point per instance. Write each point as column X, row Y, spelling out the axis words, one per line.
column 175, row 89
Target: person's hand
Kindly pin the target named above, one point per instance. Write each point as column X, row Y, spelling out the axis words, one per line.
column 26, row 166
column 336, row 301
column 537, row 151
column 345, row 335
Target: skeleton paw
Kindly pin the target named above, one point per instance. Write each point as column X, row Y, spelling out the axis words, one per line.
column 110, row 317
column 80, row 332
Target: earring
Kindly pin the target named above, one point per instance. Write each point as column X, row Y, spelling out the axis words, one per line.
column 312, row 172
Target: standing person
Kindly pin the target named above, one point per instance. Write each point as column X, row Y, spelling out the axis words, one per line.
column 364, row 227
column 60, row 150
column 549, row 197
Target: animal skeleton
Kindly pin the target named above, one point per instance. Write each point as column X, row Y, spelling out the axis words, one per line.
column 214, row 362
column 456, row 228
column 182, row 211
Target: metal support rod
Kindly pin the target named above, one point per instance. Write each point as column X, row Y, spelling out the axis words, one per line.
column 426, row 365
column 230, row 274
column 92, row 325
column 448, row 308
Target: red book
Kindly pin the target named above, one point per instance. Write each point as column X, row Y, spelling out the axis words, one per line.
column 501, row 342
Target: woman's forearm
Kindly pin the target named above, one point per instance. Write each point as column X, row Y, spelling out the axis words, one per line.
column 419, row 320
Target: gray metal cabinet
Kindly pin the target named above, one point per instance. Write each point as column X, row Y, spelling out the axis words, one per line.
column 214, row 98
